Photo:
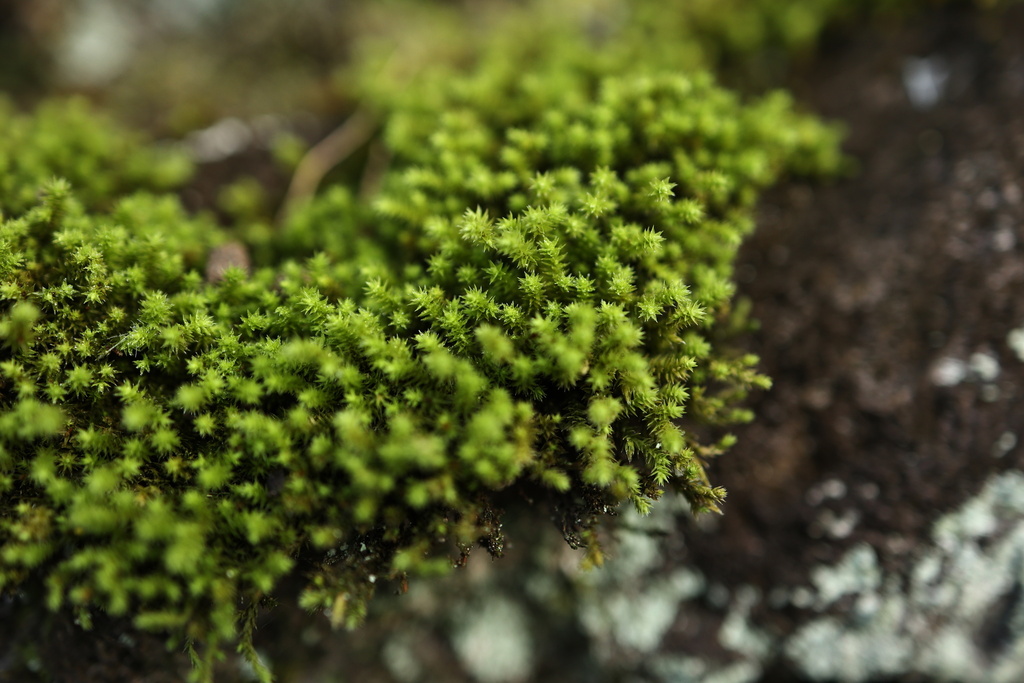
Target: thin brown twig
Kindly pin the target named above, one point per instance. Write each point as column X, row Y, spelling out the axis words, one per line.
column 325, row 155
column 377, row 162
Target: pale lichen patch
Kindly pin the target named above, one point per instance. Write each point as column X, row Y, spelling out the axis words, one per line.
column 493, row 642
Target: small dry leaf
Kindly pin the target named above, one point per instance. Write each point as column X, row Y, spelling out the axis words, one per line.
column 231, row 254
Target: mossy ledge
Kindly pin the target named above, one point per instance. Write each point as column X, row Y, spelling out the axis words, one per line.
column 530, row 302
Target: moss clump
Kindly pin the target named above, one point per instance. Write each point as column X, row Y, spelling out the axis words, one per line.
column 528, row 303
column 65, row 139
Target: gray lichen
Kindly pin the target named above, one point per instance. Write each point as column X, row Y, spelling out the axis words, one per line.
column 493, row 642
column 631, row 602
column 956, row 615
column 954, row 611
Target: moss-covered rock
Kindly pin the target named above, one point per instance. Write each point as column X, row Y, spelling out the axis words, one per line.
column 529, row 304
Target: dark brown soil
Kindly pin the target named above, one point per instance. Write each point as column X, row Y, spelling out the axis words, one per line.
column 873, row 292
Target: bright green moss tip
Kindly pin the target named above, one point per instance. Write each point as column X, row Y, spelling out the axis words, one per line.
column 530, row 302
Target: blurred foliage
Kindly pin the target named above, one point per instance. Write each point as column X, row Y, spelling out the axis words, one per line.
column 165, row 65
column 68, row 140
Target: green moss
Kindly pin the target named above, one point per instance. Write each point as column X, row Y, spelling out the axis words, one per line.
column 65, row 139
column 530, row 302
